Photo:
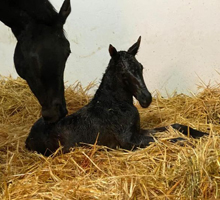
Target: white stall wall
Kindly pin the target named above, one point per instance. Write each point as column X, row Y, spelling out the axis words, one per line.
column 180, row 40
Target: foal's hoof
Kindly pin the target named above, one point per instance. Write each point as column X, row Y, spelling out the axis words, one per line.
column 174, row 140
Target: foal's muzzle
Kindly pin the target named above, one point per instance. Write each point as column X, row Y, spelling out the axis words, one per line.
column 144, row 98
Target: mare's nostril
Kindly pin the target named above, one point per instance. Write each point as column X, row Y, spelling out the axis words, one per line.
column 49, row 115
column 61, row 109
column 54, row 113
column 65, row 112
column 46, row 115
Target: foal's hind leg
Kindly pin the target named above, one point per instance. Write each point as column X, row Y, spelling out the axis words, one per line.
column 181, row 128
column 186, row 130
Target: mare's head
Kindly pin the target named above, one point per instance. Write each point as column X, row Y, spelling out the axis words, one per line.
column 131, row 73
column 40, row 57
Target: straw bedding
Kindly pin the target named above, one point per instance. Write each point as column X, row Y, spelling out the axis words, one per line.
column 163, row 170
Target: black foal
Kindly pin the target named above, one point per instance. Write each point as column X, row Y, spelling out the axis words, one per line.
column 110, row 117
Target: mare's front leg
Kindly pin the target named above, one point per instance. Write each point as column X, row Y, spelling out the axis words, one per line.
column 186, row 130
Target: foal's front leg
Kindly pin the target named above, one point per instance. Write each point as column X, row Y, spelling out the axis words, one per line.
column 144, row 138
column 186, row 130
column 130, row 140
column 139, row 140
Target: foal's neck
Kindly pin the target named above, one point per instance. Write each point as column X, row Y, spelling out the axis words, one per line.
column 112, row 88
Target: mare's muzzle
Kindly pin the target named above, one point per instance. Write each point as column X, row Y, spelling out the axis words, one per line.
column 54, row 113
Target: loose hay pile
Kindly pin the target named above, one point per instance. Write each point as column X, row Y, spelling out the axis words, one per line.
column 161, row 171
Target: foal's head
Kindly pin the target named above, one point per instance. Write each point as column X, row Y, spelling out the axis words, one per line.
column 40, row 59
column 131, row 73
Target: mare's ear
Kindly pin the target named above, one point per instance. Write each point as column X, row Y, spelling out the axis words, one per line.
column 64, row 12
column 134, row 48
column 112, row 51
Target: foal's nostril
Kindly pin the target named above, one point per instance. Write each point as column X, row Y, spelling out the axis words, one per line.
column 149, row 98
column 145, row 99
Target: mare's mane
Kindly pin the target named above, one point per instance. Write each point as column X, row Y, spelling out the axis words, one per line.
column 39, row 10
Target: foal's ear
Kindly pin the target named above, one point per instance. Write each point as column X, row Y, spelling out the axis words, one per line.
column 64, row 12
column 134, row 48
column 112, row 51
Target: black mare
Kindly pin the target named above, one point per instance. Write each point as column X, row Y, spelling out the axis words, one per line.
column 110, row 117
column 41, row 51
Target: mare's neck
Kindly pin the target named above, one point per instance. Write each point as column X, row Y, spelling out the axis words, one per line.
column 112, row 88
